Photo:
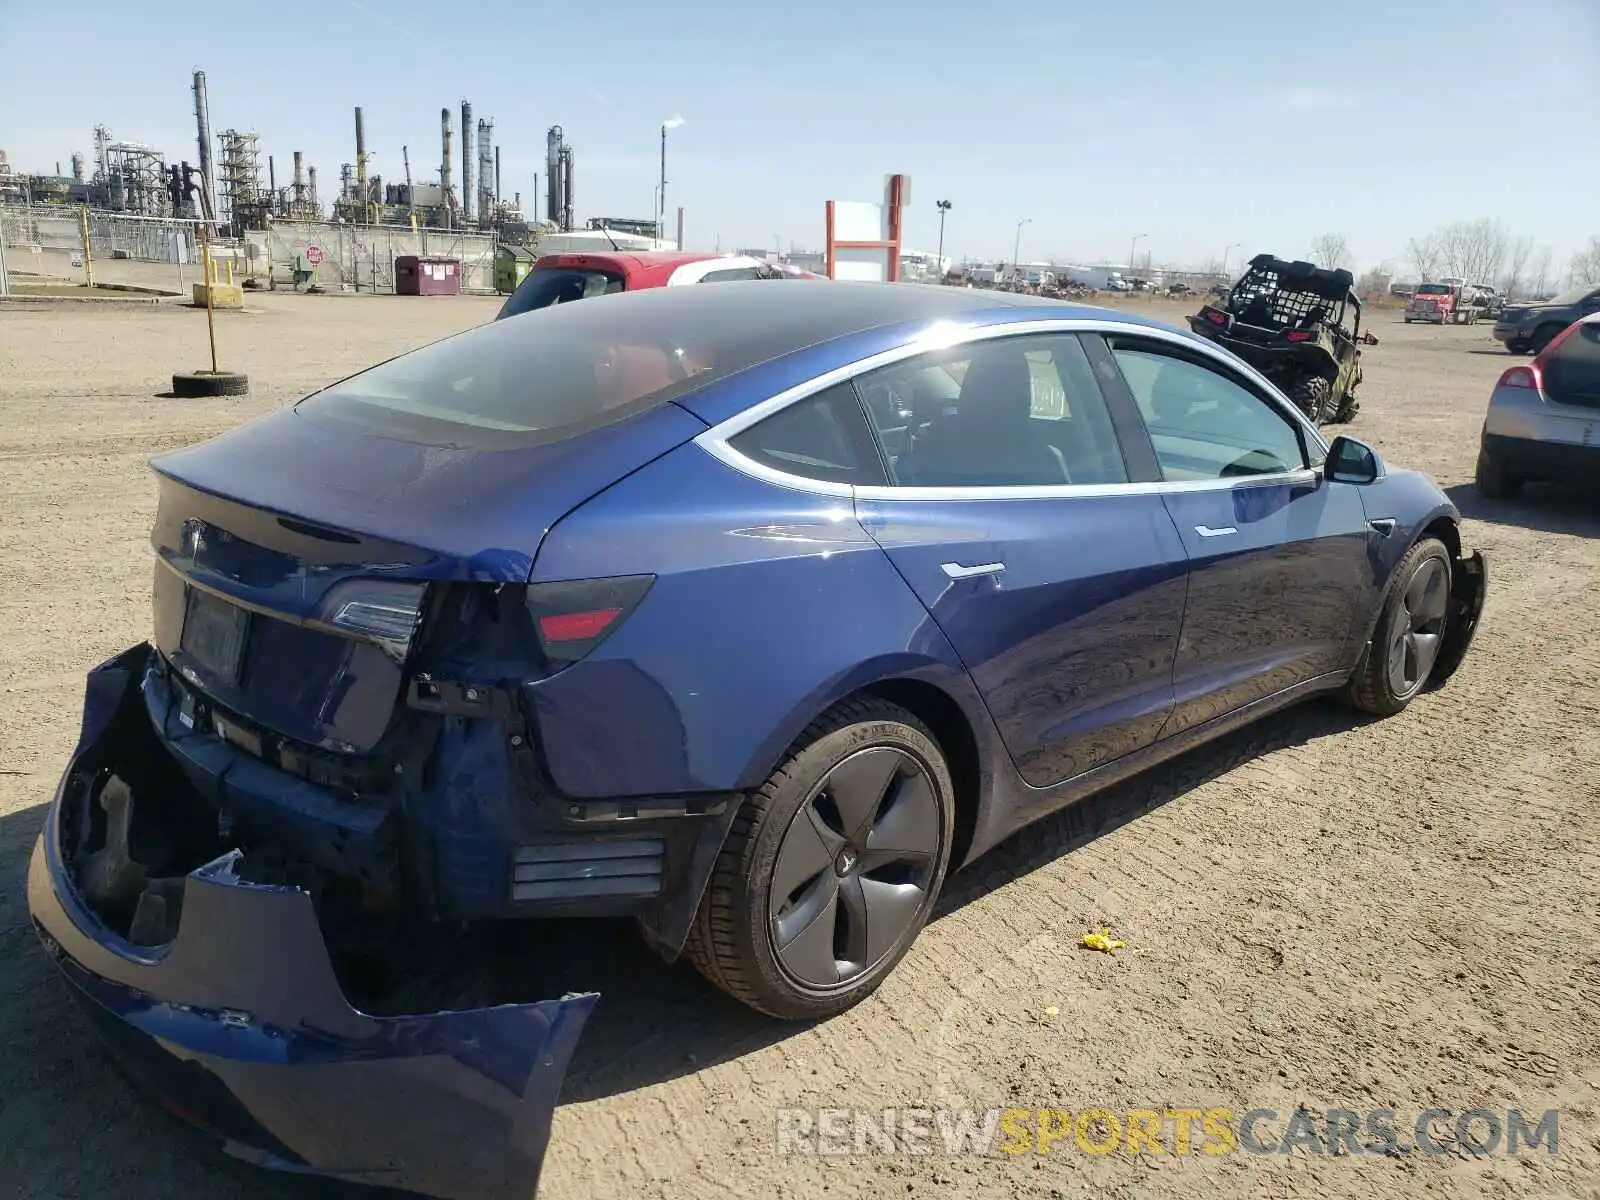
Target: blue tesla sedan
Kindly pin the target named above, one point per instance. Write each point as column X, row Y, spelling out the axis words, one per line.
column 748, row 612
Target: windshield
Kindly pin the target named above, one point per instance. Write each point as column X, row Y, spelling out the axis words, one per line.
column 1573, row 295
column 545, row 286
column 1434, row 289
column 1572, row 374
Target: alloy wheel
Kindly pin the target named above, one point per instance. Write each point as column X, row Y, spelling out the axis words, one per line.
column 1418, row 627
column 853, row 875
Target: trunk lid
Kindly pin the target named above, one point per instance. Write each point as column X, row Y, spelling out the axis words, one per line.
column 256, row 530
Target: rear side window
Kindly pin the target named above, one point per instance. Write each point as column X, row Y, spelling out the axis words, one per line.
column 545, row 286
column 1572, row 372
column 823, row 437
column 733, row 273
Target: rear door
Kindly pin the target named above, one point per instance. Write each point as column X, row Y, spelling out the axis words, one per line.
column 1010, row 514
column 1279, row 574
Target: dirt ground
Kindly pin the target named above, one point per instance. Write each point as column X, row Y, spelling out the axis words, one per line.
column 1319, row 911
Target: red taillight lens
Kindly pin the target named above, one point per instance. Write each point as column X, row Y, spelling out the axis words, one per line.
column 1300, row 335
column 1215, row 317
column 577, row 627
column 574, row 616
column 1520, row 377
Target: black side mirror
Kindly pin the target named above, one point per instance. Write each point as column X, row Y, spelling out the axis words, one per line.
column 1350, row 461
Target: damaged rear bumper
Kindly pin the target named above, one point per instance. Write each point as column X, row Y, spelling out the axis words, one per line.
column 239, row 1025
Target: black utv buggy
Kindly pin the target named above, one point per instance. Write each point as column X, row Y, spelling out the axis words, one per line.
column 1288, row 320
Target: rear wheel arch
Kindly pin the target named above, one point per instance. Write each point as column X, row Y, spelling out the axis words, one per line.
column 953, row 732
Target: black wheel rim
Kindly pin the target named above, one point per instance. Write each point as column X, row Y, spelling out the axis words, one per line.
column 1418, row 627
column 855, row 870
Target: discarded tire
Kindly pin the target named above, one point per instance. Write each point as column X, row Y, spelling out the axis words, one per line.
column 189, row 385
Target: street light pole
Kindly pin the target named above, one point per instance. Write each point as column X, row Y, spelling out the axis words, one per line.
column 1132, row 246
column 943, row 207
column 1016, row 249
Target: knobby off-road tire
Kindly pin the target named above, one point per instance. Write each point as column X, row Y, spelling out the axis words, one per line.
column 760, row 933
column 1410, row 629
column 1311, row 397
column 191, row 385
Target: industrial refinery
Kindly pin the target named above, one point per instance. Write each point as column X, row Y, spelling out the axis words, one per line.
column 231, row 184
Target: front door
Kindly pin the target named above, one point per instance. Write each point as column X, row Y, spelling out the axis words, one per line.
column 1279, row 557
column 1062, row 591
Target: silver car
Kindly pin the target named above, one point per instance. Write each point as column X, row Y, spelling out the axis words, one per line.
column 1544, row 418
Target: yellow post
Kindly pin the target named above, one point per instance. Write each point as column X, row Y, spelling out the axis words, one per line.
column 88, row 262
column 211, row 326
column 230, row 272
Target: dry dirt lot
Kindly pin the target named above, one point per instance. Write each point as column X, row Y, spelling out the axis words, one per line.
column 1319, row 911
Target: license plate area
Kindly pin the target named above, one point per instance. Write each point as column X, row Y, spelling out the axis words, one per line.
column 213, row 635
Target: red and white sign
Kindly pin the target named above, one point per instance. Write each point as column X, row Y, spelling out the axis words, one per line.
column 863, row 240
column 313, row 255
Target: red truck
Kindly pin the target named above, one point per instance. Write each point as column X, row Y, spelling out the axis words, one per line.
column 1448, row 302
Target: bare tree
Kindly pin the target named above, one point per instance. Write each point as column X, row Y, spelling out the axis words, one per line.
column 1331, row 250
column 1375, row 281
column 1539, row 274
column 1212, row 267
column 1586, row 263
column 1425, row 256
column 1517, row 257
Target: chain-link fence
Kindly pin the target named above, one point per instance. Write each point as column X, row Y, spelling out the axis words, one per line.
column 46, row 244
column 360, row 258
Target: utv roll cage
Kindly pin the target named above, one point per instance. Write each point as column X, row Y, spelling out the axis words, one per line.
column 1276, row 295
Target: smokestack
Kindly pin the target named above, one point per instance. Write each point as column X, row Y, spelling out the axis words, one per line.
column 272, row 186
column 299, row 178
column 202, row 120
column 361, row 158
column 496, row 171
column 311, row 190
column 446, row 197
column 680, row 227
column 469, row 197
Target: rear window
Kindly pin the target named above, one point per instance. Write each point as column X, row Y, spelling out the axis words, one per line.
column 582, row 366
column 1434, row 289
column 1572, row 372
column 545, row 286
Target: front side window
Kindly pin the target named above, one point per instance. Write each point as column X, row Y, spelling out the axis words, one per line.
column 1204, row 425
column 1007, row 412
column 732, row 273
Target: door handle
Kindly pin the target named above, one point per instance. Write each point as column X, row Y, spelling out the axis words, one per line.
column 961, row 571
column 1207, row 531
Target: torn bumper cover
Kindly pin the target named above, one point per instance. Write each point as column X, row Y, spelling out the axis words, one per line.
column 239, row 1025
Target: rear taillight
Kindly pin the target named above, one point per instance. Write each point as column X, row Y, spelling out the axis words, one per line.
column 1215, row 317
column 1520, row 377
column 382, row 612
column 1300, row 335
column 574, row 616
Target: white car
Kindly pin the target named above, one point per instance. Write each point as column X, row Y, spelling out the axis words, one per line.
column 1544, row 417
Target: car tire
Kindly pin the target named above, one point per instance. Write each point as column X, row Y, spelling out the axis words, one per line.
column 193, row 385
column 1516, row 347
column 1410, row 631
column 801, row 853
column 1542, row 337
column 1311, row 397
column 1495, row 480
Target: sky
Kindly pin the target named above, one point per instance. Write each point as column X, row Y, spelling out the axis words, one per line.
column 1237, row 125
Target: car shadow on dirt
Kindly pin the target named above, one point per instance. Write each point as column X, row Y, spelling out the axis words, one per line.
column 656, row 1021
column 1547, row 507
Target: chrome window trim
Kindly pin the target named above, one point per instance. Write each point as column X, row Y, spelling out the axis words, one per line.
column 944, row 335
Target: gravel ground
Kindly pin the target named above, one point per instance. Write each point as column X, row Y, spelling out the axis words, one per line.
column 1319, row 911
